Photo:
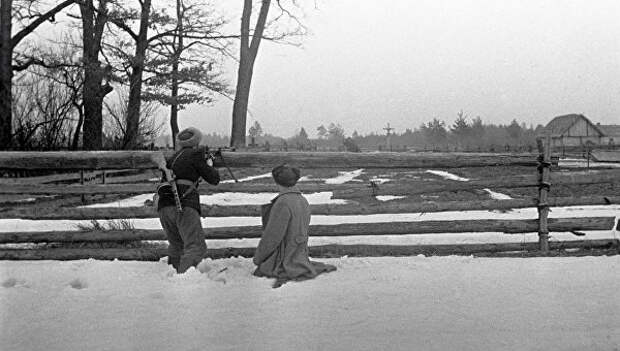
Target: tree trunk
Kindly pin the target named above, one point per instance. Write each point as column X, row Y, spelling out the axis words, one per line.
column 78, row 128
column 94, row 91
column 174, row 91
column 6, row 75
column 248, row 52
column 240, row 105
column 93, row 106
column 174, row 108
column 135, row 80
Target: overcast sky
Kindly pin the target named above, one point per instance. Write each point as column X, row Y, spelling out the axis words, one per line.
column 405, row 62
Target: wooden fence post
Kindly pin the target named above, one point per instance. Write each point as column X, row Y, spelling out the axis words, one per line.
column 82, row 183
column 544, row 160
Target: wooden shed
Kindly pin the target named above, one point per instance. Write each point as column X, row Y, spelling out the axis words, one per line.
column 573, row 131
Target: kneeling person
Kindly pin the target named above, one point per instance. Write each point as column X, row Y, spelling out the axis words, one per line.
column 282, row 252
column 183, row 229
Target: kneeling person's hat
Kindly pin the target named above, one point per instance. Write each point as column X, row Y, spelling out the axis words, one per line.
column 285, row 175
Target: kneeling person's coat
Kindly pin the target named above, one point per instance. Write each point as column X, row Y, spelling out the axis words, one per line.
column 282, row 252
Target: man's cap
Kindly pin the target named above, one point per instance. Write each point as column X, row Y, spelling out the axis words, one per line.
column 285, row 175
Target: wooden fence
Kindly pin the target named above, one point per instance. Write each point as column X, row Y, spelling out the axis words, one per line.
column 79, row 244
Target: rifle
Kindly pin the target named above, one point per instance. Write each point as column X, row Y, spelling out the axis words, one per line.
column 161, row 164
column 217, row 154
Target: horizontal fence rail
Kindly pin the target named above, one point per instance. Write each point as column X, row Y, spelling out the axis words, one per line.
column 351, row 191
column 154, row 254
column 510, row 226
column 72, row 160
column 354, row 208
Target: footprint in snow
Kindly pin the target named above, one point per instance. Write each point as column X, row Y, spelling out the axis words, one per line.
column 156, row 295
column 78, row 283
column 13, row 282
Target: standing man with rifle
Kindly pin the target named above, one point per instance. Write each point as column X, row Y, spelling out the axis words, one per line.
column 179, row 202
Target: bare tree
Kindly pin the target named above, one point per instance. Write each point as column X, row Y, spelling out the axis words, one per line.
column 43, row 111
column 255, row 131
column 122, row 17
column 31, row 17
column 115, row 125
column 186, row 59
column 249, row 44
column 61, row 62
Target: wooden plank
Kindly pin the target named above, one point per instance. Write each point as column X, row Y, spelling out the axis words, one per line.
column 350, row 229
column 62, row 178
column 154, row 254
column 354, row 208
column 146, row 188
column 96, row 160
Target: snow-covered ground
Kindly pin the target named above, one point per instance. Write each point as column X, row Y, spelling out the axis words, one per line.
column 388, row 303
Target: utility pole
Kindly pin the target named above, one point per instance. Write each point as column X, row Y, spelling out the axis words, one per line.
column 388, row 130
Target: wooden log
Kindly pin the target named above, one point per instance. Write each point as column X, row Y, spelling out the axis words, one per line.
column 350, row 191
column 144, row 160
column 62, row 178
column 510, row 226
column 75, row 160
column 353, row 208
column 154, row 254
column 415, row 188
column 145, row 188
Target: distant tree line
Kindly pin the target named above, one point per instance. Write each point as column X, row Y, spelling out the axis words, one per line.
column 464, row 134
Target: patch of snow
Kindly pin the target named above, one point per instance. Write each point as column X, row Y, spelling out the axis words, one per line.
column 229, row 199
column 389, row 197
column 134, row 201
column 433, row 303
column 263, row 198
column 307, row 178
column 344, row 177
column 28, row 199
column 497, row 196
column 246, row 179
column 448, row 175
column 380, row 180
